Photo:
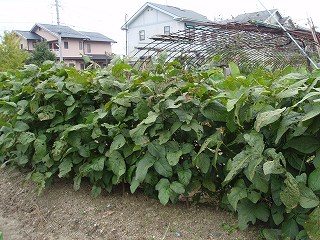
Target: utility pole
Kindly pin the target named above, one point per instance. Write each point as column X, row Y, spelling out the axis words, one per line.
column 125, row 19
column 59, row 32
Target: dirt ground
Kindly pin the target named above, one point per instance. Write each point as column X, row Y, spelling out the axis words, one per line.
column 64, row 214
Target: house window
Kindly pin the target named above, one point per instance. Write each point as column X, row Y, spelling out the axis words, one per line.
column 21, row 46
column 50, row 46
column 142, row 35
column 66, row 45
column 80, row 45
column 88, row 48
column 71, row 65
column 81, row 66
column 166, row 30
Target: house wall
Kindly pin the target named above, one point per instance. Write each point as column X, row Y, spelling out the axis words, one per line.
column 46, row 35
column 152, row 22
column 97, row 47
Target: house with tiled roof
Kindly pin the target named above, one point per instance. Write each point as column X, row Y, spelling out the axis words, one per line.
column 263, row 17
column 74, row 43
column 156, row 19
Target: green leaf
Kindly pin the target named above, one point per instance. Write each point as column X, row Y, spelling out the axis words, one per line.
column 164, row 136
column 312, row 226
column 262, row 212
column 65, row 167
column 311, row 113
column 152, row 117
column 203, row 162
column 304, row 144
column 177, row 187
column 76, row 182
column 95, row 191
column 273, row 167
column 314, row 180
column 290, row 228
column 277, row 213
column 163, row 186
column 271, row 234
column 245, row 214
column 290, row 195
column 286, row 123
column 58, row 149
column 308, row 198
column 143, row 165
column 266, row 118
column 156, row 150
column 20, row 126
column 74, row 87
column 235, row 195
column 163, row 167
column 234, row 69
column 98, row 163
column 184, row 176
column 254, row 196
column 118, row 112
column 40, row 148
column 197, row 128
column 116, row 164
column 118, row 142
column 26, row 137
column 173, row 157
column 46, row 112
column 69, row 101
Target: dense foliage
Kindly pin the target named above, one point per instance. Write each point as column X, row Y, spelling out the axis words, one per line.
column 11, row 56
column 41, row 53
column 252, row 140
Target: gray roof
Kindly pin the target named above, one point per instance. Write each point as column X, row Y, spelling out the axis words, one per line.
column 28, row 35
column 97, row 37
column 182, row 13
column 260, row 16
column 68, row 32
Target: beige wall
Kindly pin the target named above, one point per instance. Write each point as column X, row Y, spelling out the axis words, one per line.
column 98, row 47
column 46, row 35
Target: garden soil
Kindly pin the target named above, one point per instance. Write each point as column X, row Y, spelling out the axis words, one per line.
column 64, row 214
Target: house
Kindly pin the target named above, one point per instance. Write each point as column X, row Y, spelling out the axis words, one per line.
column 156, row 19
column 74, row 43
column 263, row 17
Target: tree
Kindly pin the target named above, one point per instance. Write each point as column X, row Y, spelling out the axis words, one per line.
column 11, row 56
column 41, row 53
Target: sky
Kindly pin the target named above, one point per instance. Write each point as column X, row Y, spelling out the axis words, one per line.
column 107, row 16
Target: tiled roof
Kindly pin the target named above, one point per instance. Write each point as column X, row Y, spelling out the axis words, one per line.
column 182, row 13
column 97, row 37
column 260, row 16
column 28, row 35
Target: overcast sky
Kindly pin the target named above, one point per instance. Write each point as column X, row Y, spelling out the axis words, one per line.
column 107, row 17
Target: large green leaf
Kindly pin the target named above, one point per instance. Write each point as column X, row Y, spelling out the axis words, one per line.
column 235, row 195
column 65, row 167
column 157, row 150
column 290, row 195
column 177, row 187
column 290, row 228
column 20, row 126
column 163, row 167
column 116, row 164
column 304, row 144
column 98, row 163
column 118, row 142
column 46, row 112
column 184, row 176
column 266, row 118
column 143, row 165
column 203, row 162
column 312, row 226
column 163, row 186
column 246, row 214
column 308, row 198
column 314, row 180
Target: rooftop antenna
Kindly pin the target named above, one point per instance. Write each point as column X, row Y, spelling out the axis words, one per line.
column 290, row 36
column 59, row 32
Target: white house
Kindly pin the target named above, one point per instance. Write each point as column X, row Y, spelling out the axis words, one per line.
column 156, row 19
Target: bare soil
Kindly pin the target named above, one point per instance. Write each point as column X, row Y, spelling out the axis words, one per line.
column 64, row 214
